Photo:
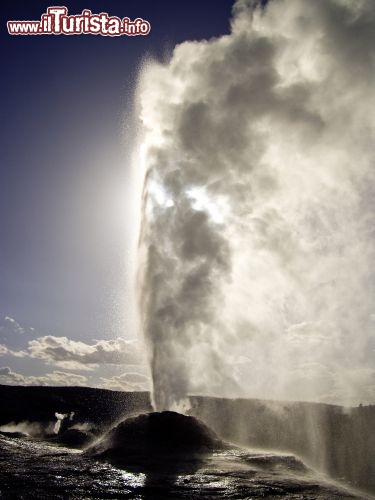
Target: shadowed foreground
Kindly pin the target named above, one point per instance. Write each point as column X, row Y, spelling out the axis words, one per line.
column 155, row 456
column 140, row 457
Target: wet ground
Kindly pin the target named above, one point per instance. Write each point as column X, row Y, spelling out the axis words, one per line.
column 31, row 469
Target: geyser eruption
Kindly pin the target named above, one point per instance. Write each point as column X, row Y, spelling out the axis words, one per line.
column 257, row 239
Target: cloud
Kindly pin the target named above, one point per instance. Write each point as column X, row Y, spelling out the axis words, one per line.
column 67, row 353
column 126, row 382
column 10, row 329
column 13, row 336
column 15, row 326
column 3, row 350
column 258, row 239
column 5, row 370
column 7, row 376
column 72, row 354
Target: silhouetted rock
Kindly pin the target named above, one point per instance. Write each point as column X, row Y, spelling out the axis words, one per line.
column 148, row 440
column 14, row 435
column 73, row 438
column 101, row 407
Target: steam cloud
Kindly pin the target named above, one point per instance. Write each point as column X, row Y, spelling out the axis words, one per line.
column 257, row 240
column 33, row 429
column 59, row 420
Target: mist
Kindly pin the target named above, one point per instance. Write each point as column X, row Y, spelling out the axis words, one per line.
column 33, row 429
column 257, row 234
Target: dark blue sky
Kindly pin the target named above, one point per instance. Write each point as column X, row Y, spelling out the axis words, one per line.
column 67, row 133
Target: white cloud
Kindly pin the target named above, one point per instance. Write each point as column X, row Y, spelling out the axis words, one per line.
column 3, row 350
column 7, row 376
column 16, row 327
column 5, row 370
column 73, row 354
column 13, row 335
column 66, row 353
column 126, row 382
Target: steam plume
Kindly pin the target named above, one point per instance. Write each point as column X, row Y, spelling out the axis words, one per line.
column 257, row 274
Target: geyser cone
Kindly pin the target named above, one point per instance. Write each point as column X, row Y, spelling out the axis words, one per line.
column 149, row 440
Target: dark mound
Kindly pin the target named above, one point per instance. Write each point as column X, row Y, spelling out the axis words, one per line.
column 73, row 438
column 151, row 437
